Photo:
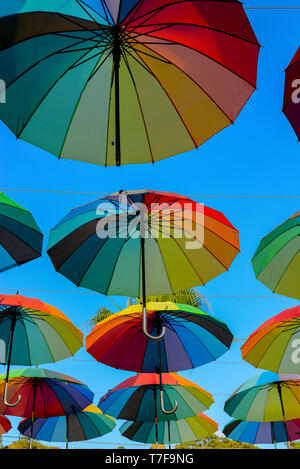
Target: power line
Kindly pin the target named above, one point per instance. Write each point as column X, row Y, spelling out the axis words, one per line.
column 235, row 196
column 272, row 8
column 30, row 290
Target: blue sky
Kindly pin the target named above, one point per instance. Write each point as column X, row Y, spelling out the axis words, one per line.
column 258, row 156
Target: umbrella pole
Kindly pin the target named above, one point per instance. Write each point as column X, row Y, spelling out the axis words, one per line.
column 116, row 58
column 67, row 435
column 167, row 412
column 32, row 414
column 145, row 331
column 274, row 437
column 169, row 434
column 12, row 330
column 156, row 425
column 284, row 418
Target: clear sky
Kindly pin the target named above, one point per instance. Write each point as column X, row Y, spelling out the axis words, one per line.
column 258, row 156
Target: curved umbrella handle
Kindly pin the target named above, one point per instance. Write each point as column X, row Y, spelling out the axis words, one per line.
column 167, row 412
column 146, row 333
column 8, row 404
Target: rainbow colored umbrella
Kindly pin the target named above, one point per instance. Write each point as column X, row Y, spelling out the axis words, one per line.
column 5, row 425
column 137, row 398
column 276, row 262
column 275, row 345
column 130, row 242
column 268, row 397
column 193, row 338
column 291, row 98
column 263, row 432
column 43, row 393
column 33, row 332
column 170, row 432
column 84, row 425
column 124, row 82
column 21, row 239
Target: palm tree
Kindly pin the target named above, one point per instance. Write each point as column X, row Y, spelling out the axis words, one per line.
column 191, row 297
column 101, row 314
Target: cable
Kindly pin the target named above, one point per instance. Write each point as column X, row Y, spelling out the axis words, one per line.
column 29, row 290
column 190, row 196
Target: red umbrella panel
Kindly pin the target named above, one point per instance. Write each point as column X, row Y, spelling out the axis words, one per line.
column 5, row 425
column 291, row 102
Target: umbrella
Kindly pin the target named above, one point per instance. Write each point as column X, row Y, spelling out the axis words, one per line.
column 275, row 344
column 20, row 238
column 193, row 338
column 276, row 261
column 268, row 397
column 124, row 82
column 170, row 432
column 5, row 425
column 84, row 425
column 291, row 93
column 128, row 241
column 33, row 332
column 137, row 397
column 263, row 432
column 44, row 393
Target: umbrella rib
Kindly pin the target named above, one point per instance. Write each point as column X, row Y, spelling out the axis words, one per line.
column 209, row 28
column 158, row 9
column 149, row 55
column 63, row 49
column 140, row 104
column 20, row 224
column 104, row 6
column 109, row 112
column 183, row 252
column 49, row 91
column 172, row 103
column 214, row 233
column 81, row 94
column 115, row 264
column 137, row 8
column 210, row 58
column 279, row 250
column 141, row 64
column 89, row 265
column 91, row 16
column 282, row 275
column 192, row 79
column 23, row 242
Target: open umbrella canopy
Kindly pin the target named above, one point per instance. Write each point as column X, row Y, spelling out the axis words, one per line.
column 120, row 82
column 275, row 345
column 137, row 398
column 21, row 239
column 85, row 425
column 276, row 262
column 176, row 431
column 130, row 242
column 291, row 98
column 38, row 332
column 5, row 425
column 192, row 338
column 44, row 393
column 263, row 432
column 267, row 397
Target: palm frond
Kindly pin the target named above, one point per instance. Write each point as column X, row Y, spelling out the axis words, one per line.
column 190, row 296
column 101, row 314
